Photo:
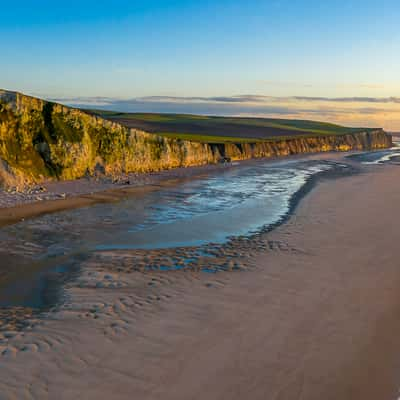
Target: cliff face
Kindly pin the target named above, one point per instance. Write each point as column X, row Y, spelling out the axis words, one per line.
column 369, row 140
column 41, row 140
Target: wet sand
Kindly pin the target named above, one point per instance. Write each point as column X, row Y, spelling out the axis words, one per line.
column 56, row 196
column 311, row 313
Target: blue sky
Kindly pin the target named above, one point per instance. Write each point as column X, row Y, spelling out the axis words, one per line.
column 135, row 49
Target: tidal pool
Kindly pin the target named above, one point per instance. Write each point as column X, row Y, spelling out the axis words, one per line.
column 238, row 201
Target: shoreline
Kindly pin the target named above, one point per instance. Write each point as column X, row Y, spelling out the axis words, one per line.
column 62, row 199
column 299, row 320
column 351, row 258
column 68, row 195
column 52, row 290
column 295, row 201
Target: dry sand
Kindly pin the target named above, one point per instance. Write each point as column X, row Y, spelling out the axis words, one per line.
column 313, row 314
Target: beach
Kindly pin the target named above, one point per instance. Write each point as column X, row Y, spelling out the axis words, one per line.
column 310, row 312
column 55, row 196
column 199, row 200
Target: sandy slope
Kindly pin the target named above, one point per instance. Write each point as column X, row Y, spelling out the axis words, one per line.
column 316, row 316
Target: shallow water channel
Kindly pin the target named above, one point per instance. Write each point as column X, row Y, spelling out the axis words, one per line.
column 238, row 201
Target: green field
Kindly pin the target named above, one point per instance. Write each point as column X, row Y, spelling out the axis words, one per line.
column 211, row 129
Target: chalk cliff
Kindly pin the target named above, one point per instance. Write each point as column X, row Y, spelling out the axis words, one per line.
column 41, row 140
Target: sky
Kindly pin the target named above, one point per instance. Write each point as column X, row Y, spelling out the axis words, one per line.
column 332, row 60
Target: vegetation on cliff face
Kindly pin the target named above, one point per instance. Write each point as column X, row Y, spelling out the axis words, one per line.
column 42, row 140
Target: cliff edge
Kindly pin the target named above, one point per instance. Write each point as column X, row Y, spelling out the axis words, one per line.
column 41, row 140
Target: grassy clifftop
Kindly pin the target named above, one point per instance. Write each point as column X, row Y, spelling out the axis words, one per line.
column 42, row 140
column 212, row 129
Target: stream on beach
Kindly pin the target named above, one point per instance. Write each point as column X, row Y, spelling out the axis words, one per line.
column 37, row 255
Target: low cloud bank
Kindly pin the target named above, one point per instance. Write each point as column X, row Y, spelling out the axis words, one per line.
column 352, row 111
